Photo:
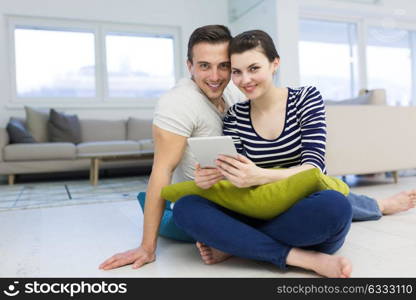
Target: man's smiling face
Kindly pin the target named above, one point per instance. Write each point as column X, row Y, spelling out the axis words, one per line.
column 210, row 68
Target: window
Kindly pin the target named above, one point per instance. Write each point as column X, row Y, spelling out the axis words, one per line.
column 89, row 61
column 54, row 63
column 328, row 57
column 389, row 64
column 139, row 66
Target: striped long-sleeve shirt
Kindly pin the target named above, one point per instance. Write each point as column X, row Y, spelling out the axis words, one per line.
column 302, row 140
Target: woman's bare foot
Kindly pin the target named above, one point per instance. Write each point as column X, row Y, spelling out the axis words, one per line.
column 333, row 266
column 397, row 203
column 211, row 255
column 323, row 264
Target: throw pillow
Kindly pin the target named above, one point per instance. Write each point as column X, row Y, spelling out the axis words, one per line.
column 138, row 129
column 37, row 123
column 167, row 227
column 18, row 133
column 263, row 202
column 64, row 128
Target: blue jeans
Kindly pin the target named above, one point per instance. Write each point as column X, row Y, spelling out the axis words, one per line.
column 319, row 222
column 364, row 208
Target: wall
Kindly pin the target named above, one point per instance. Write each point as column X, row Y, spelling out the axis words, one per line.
column 186, row 14
column 252, row 14
column 279, row 18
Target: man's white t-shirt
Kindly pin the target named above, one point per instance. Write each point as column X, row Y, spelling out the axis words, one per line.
column 186, row 111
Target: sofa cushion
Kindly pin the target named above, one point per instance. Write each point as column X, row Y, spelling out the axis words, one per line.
column 377, row 96
column 18, row 133
column 37, row 123
column 138, row 129
column 103, row 130
column 39, row 151
column 111, row 146
column 147, row 145
column 64, row 127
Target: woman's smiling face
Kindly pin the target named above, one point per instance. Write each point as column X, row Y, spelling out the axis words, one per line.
column 252, row 72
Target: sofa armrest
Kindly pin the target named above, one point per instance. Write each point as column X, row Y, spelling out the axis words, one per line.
column 4, row 141
column 366, row 139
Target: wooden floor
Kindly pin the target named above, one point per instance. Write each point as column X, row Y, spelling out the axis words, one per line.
column 71, row 241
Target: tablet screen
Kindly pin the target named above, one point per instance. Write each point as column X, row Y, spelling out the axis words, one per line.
column 207, row 149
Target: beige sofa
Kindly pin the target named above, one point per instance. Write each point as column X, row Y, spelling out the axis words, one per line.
column 366, row 139
column 370, row 139
column 98, row 136
column 361, row 139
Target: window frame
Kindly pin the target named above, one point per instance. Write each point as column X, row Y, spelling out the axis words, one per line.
column 132, row 29
column 362, row 25
column 411, row 28
column 99, row 29
column 361, row 58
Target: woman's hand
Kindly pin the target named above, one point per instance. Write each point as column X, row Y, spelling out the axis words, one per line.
column 138, row 257
column 240, row 171
column 205, row 178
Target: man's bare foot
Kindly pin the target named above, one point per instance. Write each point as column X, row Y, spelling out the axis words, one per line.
column 332, row 266
column 397, row 203
column 211, row 255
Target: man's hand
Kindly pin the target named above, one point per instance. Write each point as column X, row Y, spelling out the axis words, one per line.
column 205, row 178
column 138, row 257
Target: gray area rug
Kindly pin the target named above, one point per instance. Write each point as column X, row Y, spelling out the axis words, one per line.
column 73, row 192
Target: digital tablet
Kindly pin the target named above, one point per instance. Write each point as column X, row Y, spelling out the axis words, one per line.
column 207, row 149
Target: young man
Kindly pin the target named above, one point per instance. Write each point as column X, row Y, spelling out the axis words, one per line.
column 195, row 107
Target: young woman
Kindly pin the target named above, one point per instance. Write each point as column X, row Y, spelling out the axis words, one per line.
column 277, row 127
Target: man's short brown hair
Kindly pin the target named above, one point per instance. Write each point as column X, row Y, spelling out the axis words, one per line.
column 213, row 34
